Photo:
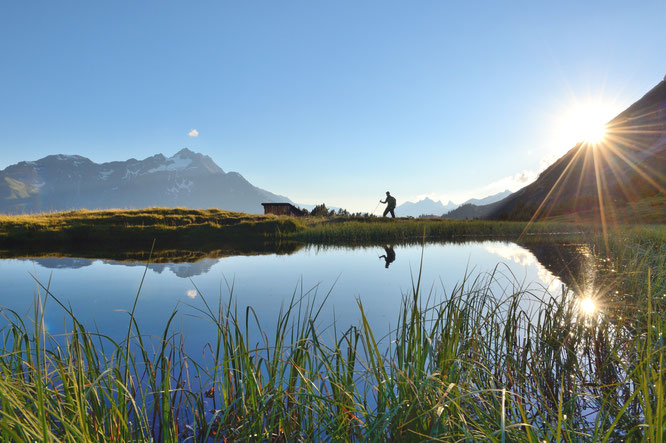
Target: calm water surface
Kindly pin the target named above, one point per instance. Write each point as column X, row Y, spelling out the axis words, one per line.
column 101, row 291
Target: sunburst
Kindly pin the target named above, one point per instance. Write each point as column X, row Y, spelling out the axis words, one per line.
column 611, row 147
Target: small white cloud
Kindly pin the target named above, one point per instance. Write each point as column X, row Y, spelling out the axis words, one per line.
column 547, row 161
column 193, row 133
column 524, row 177
column 512, row 182
column 192, row 293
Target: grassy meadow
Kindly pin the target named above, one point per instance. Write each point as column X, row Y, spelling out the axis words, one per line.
column 470, row 365
column 130, row 233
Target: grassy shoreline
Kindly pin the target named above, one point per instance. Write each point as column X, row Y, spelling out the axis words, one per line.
column 190, row 234
column 208, row 229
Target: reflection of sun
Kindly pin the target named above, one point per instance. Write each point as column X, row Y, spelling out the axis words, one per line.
column 588, row 306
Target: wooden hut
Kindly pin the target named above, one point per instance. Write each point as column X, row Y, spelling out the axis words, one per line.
column 281, row 209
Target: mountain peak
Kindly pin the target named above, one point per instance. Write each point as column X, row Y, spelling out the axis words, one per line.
column 185, row 152
column 186, row 179
column 186, row 158
column 425, row 206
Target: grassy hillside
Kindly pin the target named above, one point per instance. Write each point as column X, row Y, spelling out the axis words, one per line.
column 648, row 210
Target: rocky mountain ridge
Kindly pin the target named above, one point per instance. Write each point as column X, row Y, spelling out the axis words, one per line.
column 187, row 179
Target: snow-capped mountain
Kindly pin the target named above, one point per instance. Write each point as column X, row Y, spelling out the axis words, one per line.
column 187, row 179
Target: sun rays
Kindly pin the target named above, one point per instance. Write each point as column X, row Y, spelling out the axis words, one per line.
column 612, row 164
column 585, row 122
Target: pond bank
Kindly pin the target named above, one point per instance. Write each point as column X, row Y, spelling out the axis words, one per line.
column 210, row 228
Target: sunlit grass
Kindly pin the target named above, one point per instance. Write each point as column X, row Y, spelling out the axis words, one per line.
column 104, row 232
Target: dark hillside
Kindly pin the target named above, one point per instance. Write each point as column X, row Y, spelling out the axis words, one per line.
column 628, row 166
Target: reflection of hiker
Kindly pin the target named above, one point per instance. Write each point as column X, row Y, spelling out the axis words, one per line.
column 389, row 257
column 390, row 204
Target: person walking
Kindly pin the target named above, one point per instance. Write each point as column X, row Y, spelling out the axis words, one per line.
column 390, row 204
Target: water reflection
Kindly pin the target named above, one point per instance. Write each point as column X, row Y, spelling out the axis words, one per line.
column 389, row 255
column 588, row 306
column 158, row 255
column 524, row 257
column 575, row 265
column 183, row 270
column 587, row 276
column 101, row 291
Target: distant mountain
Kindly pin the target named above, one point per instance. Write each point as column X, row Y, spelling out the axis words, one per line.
column 428, row 206
column 423, row 207
column 187, row 179
column 470, row 211
column 604, row 179
column 488, row 200
column 477, row 207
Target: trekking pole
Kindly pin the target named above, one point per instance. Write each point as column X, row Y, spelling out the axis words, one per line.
column 373, row 211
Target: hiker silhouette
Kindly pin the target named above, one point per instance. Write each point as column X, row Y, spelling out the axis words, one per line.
column 390, row 204
column 389, row 257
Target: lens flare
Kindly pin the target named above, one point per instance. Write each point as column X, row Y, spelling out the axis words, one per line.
column 588, row 306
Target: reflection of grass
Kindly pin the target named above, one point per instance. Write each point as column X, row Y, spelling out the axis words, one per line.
column 205, row 251
column 473, row 366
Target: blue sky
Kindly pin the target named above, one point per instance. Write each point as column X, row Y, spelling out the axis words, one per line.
column 334, row 101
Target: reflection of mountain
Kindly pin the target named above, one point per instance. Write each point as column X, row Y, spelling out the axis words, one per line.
column 574, row 264
column 182, row 270
column 183, row 264
column 50, row 253
column 62, row 262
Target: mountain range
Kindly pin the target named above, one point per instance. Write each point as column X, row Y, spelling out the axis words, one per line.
column 428, row 206
column 187, row 179
column 601, row 181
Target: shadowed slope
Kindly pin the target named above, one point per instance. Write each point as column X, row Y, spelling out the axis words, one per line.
column 627, row 166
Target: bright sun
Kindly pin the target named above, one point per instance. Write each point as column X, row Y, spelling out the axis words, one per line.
column 586, row 122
